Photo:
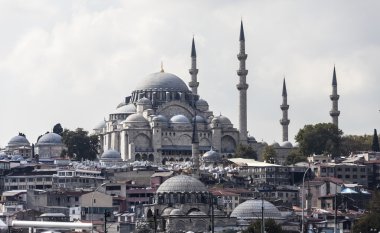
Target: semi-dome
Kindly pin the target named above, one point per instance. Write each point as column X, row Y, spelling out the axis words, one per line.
column 144, row 101
column 136, row 118
column 127, row 108
column 201, row 102
column 166, row 212
column 251, row 209
column 198, row 119
column 211, row 156
column 162, row 80
column 176, row 212
column 179, row 119
column 111, row 155
column 50, row 138
column 18, row 141
column 121, row 104
column 160, row 118
column 197, row 213
column 287, row 144
column 100, row 125
column 275, row 144
column 182, row 184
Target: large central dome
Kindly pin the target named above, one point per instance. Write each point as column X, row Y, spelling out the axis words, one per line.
column 163, row 81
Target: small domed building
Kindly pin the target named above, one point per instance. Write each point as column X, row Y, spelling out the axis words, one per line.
column 111, row 158
column 49, row 146
column 19, row 145
column 181, row 204
column 211, row 157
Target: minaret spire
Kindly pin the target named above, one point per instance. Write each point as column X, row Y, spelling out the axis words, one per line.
column 242, row 86
column 334, row 113
column 193, row 84
column 284, row 107
column 195, row 148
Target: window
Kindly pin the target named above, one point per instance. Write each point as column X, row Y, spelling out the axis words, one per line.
column 354, row 176
column 339, row 169
column 362, row 169
column 339, row 176
column 347, row 176
column 347, row 169
column 354, row 169
column 323, row 169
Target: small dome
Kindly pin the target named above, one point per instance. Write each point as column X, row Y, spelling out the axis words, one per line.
column 18, row 141
column 198, row 119
column 50, row 138
column 164, row 81
column 197, row 213
column 182, row 183
column 100, row 125
column 176, row 212
column 275, row 144
column 111, row 154
column 251, row 209
column 212, row 156
column 127, row 108
column 179, row 119
column 160, row 118
column 224, row 120
column 287, row 144
column 201, row 102
column 136, row 117
column 144, row 101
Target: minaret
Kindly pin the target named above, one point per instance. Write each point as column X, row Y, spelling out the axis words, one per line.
column 334, row 113
column 193, row 71
column 242, row 86
column 195, row 149
column 284, row 107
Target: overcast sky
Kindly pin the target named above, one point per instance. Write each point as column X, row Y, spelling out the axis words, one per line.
column 73, row 62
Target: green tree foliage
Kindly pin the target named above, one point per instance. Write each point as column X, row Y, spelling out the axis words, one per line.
column 80, row 145
column 247, row 152
column 270, row 227
column 269, row 154
column 354, row 143
column 322, row 138
column 295, row 156
column 370, row 220
column 58, row 129
column 375, row 141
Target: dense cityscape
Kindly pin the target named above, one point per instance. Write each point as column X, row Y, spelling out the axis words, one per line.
column 164, row 161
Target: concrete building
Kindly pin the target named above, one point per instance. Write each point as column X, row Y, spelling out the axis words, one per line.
column 348, row 172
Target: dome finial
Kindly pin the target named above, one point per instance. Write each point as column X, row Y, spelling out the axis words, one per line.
column 162, row 67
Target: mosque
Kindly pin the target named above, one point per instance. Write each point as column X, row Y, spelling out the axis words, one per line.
column 160, row 118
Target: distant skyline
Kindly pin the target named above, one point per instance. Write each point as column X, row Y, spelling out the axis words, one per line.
column 73, row 62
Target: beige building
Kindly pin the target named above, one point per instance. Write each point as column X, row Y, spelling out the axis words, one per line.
column 348, row 172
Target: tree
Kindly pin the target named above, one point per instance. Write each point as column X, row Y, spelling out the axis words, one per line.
column 354, row 143
column 80, row 145
column 269, row 154
column 270, row 227
column 322, row 138
column 371, row 219
column 247, row 152
column 295, row 156
column 58, row 129
column 375, row 141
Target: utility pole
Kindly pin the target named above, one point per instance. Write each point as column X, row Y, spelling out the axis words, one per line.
column 106, row 214
column 262, row 214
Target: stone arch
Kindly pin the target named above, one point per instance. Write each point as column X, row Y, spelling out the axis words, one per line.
column 176, row 107
column 184, row 139
column 192, row 210
column 142, row 142
column 164, row 161
column 149, row 214
column 171, row 159
column 204, row 142
column 187, row 159
column 144, row 157
column 166, row 141
column 137, row 157
column 181, row 159
column 151, row 158
column 228, row 144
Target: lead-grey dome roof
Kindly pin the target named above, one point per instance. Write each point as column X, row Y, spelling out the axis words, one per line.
column 136, row 117
column 19, row 141
column 100, row 125
column 182, row 184
column 179, row 119
column 162, row 80
column 211, row 156
column 127, row 108
column 252, row 209
column 287, row 144
column 111, row 155
column 51, row 139
column 144, row 101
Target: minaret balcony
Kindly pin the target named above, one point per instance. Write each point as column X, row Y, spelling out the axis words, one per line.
column 334, row 97
column 242, row 86
column 193, row 71
column 193, row 84
column 284, row 121
column 242, row 56
column 242, row 72
column 334, row 113
column 284, row 107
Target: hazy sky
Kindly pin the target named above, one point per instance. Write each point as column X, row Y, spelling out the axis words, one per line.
column 73, row 62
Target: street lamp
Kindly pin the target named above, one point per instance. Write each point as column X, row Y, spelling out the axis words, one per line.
column 92, row 206
column 303, row 188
